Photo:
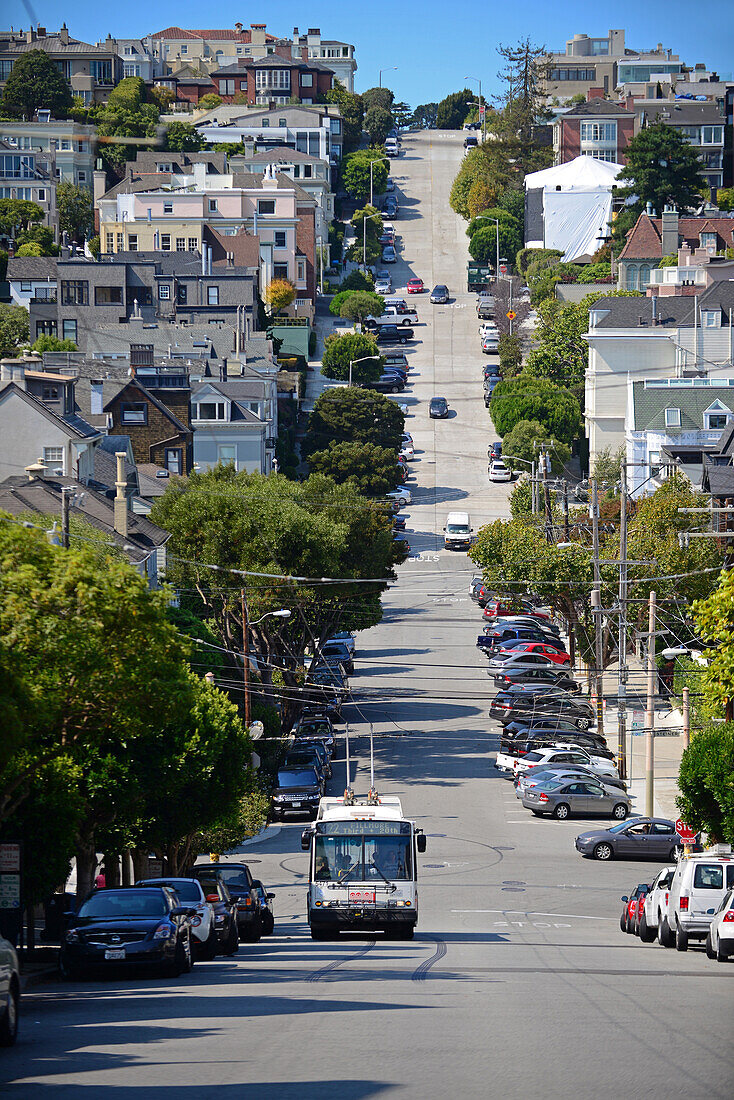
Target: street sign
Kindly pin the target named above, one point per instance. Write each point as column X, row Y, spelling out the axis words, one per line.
column 9, row 858
column 511, row 315
column 685, row 832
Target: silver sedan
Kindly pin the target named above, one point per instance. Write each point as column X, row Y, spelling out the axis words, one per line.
column 583, row 797
column 565, row 775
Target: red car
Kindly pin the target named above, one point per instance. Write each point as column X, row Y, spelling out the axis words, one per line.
column 415, row 286
column 632, row 908
column 558, row 656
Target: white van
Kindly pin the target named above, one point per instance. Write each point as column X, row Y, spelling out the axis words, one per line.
column 698, row 887
column 458, row 531
column 392, row 148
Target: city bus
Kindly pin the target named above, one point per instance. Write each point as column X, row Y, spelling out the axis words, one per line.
column 362, row 867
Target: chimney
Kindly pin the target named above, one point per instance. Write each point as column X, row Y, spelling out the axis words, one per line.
column 99, row 185
column 64, row 35
column 670, row 231
column 120, row 502
column 13, row 370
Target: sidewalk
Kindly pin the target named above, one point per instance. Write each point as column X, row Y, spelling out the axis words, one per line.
column 315, row 382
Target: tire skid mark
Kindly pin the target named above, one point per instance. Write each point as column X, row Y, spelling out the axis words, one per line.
column 318, row 975
column 420, row 973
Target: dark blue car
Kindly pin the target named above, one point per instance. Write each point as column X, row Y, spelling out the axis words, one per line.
column 128, row 926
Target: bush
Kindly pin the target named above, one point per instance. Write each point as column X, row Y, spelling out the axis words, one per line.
column 528, row 438
column 510, row 353
column 357, row 280
column 706, row 783
column 312, row 342
column 526, row 256
column 535, row 399
column 336, row 302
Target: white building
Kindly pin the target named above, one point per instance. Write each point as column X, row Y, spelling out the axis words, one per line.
column 69, row 143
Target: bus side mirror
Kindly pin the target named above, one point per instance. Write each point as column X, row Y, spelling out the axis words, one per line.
column 305, row 840
column 421, row 842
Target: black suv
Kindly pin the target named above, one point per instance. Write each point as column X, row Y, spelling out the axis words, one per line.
column 389, row 383
column 239, row 881
column 393, row 334
column 339, row 651
column 226, row 918
column 508, row 706
column 307, row 756
column 297, row 791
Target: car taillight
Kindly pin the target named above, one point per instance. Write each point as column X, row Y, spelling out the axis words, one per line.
column 729, row 917
column 667, row 895
column 543, row 798
column 684, row 903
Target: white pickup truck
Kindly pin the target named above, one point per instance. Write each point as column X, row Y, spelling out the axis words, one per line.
column 392, row 316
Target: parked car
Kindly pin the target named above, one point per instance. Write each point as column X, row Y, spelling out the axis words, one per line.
column 407, row 451
column 440, row 294
column 415, row 286
column 297, row 790
column 390, row 185
column 237, row 881
column 490, row 345
column 438, row 408
column 189, row 891
column 630, row 904
column 492, row 370
column 720, row 938
column 226, row 918
column 517, row 745
column 396, row 359
column 263, row 898
column 393, row 334
column 524, row 620
column 555, row 678
column 383, row 286
column 696, row 891
column 564, row 773
column 9, row 993
column 388, row 383
column 307, row 756
column 401, row 495
column 308, row 728
column 566, row 755
column 340, row 651
column 656, row 905
column 643, row 838
column 347, row 637
column 498, row 471
column 511, row 704
column 389, row 255
column 550, row 650
column 128, row 926
column 584, row 797
column 515, row 659
column 323, row 753
column 493, row 640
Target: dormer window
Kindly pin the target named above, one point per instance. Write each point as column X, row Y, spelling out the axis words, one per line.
column 711, row 318
column 708, row 240
column 716, row 417
column 210, row 410
column 672, row 418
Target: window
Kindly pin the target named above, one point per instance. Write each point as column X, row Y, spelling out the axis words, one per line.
column 212, row 206
column 282, row 122
column 181, row 294
column 120, row 238
column 41, row 194
column 672, row 418
column 164, row 292
column 65, row 145
column 165, row 242
column 712, row 135
column 708, row 240
column 134, row 412
column 108, row 295
column 227, row 87
column 266, row 206
column 109, row 242
column 631, row 277
column 132, row 242
column 716, row 421
column 26, row 288
column 164, row 167
column 272, row 78
column 654, row 462
column 226, row 455
column 167, row 207
column 644, row 276
column 53, row 457
column 280, row 271
column 212, row 295
column 210, row 410
column 280, row 238
column 243, row 85
column 174, row 460
column 50, row 393
column 307, row 80
column 45, row 328
column 6, row 68
column 314, row 144
column 301, row 272
column 599, row 131
column 74, row 292
column 265, row 123
column 307, row 171
column 711, row 318
column 101, row 71
column 180, row 244
column 193, row 244
column 130, row 69
column 184, row 48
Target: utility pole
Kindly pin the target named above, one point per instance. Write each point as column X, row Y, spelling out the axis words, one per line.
column 533, row 488
column 246, row 656
column 622, row 635
column 596, row 608
column 65, row 502
column 650, row 712
column 566, row 525
column 686, row 718
column 546, row 498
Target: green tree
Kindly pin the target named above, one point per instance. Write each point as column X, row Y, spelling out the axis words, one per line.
column 706, row 783
column 356, row 173
column 608, row 465
column 536, row 399
column 129, row 94
column 357, row 280
column 76, row 210
column 378, row 123
column 352, row 112
column 125, row 115
column 374, row 221
column 41, row 237
column 425, row 116
column 725, row 198
column 527, row 439
column 209, row 101
column 714, row 618
column 35, row 81
column 30, row 248
column 18, row 214
column 354, row 415
column 360, row 304
column 52, row 343
column 14, row 328
column 489, row 163
column 525, row 67
column 483, row 243
column 181, row 137
column 373, row 470
column 662, row 168
column 377, row 97
column 509, row 349
column 453, row 109
column 669, row 261
column 482, row 195
column 351, row 346
column 545, row 257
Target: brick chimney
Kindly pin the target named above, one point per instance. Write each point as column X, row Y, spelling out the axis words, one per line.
column 120, row 502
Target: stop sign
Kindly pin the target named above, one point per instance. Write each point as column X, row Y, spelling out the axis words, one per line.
column 685, row 832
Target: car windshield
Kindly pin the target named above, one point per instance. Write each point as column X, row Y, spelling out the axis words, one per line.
column 457, row 528
column 533, row 756
column 233, row 876
column 314, row 728
column 186, row 890
column 125, row 903
column 362, row 859
column 301, row 759
column 304, row 777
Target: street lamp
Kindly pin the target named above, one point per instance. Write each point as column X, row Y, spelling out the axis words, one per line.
column 482, row 111
column 367, row 218
column 283, row 613
column 389, row 69
column 364, row 359
column 377, row 160
column 533, row 491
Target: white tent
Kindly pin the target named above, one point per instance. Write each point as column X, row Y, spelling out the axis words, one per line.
column 569, row 207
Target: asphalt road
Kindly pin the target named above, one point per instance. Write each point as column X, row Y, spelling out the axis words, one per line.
column 519, row 981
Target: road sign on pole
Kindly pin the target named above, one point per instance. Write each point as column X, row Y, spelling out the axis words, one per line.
column 685, row 832
column 511, row 315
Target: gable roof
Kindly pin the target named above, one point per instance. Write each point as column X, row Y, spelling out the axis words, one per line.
column 76, row 426
column 650, row 403
column 636, row 313
column 223, row 34
column 595, row 108
column 32, row 267
column 134, row 384
column 644, row 240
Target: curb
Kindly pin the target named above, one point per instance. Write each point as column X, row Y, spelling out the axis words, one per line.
column 267, row 833
column 38, row 978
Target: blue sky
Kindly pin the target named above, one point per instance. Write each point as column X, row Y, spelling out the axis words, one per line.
column 434, row 43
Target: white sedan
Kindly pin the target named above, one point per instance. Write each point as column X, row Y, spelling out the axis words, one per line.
column 541, row 758
column 488, row 328
column 656, row 905
column 191, row 894
column 720, row 938
column 401, row 496
column 498, row 471
column 407, row 452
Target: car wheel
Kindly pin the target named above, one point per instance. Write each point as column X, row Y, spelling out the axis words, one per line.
column 681, row 939
column 647, row 935
column 583, row 723
column 233, row 940
column 395, row 389
column 619, row 811
column 536, row 813
column 69, row 972
column 251, row 935
column 603, row 852
column 9, row 1021
column 721, row 955
column 268, row 924
column 710, row 947
column 210, row 944
column 561, row 811
column 675, row 853
column 623, row 923
column 665, row 935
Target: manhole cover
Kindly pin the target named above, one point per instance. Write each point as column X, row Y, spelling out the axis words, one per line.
column 513, row 889
column 513, row 882
column 433, row 865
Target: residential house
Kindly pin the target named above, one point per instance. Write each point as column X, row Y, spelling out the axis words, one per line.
column 671, row 423
column 316, row 130
column 702, row 124
column 188, row 84
column 38, row 422
column 33, row 282
column 597, row 128
column 155, row 416
column 651, row 338
column 601, row 64
column 310, row 173
column 651, row 238
column 275, row 79
column 29, row 176
column 229, row 424
column 135, row 536
column 63, row 146
column 91, row 71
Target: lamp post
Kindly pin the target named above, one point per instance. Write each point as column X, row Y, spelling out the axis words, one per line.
column 364, row 359
column 283, row 613
column 389, row 69
column 526, row 462
column 482, row 111
column 377, row 160
column 367, row 218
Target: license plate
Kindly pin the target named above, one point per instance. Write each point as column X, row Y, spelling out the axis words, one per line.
column 115, row 953
column 361, row 895
column 296, row 805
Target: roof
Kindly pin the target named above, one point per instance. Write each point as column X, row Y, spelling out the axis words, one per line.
column 221, row 35
column 333, row 809
column 239, row 392
column 718, row 480
column 43, row 496
column 153, row 480
column 53, row 44
column 136, row 384
column 680, row 112
column 278, row 154
column 167, row 337
column 580, row 174
column 75, row 425
column 232, row 114
column 650, row 403
column 630, row 312
column 32, row 267
column 243, row 246
column 598, row 108
column 644, row 240
column 272, row 61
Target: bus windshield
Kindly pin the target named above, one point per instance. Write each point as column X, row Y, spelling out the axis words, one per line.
column 355, row 858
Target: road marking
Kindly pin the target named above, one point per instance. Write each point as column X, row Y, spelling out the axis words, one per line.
column 526, row 913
